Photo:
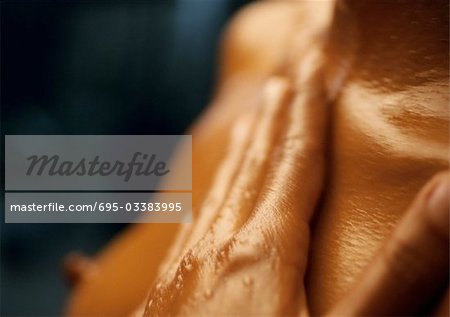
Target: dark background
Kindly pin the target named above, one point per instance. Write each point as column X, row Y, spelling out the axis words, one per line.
column 94, row 67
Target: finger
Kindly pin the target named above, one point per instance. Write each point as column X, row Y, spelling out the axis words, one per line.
column 238, row 178
column 227, row 206
column 280, row 219
column 226, row 171
column 244, row 188
column 411, row 270
column 258, row 238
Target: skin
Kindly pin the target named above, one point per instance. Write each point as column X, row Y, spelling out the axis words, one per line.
column 98, row 288
column 389, row 134
column 411, row 270
column 329, row 126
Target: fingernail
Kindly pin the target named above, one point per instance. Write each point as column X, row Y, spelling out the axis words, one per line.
column 439, row 204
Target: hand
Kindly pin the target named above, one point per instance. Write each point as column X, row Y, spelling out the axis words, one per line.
column 247, row 252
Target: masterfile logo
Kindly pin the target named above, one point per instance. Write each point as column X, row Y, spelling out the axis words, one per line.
column 96, row 162
column 140, row 164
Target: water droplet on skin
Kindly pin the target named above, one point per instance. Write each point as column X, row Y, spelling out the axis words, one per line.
column 208, row 294
column 248, row 281
column 179, row 283
column 150, row 303
column 158, row 286
column 188, row 266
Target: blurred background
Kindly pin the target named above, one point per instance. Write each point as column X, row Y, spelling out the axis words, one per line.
column 94, row 67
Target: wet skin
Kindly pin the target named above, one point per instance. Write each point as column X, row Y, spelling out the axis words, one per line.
column 341, row 116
